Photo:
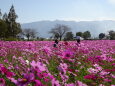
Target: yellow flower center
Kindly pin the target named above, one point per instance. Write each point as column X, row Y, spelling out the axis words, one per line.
column 24, row 80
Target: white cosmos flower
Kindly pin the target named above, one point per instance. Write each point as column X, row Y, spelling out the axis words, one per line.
column 27, row 61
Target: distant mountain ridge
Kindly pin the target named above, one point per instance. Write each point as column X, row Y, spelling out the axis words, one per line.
column 95, row 27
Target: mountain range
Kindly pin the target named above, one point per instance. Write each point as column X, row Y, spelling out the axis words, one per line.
column 95, row 27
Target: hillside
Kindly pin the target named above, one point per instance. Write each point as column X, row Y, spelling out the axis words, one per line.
column 95, row 27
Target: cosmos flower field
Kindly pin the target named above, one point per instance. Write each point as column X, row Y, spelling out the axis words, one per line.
column 38, row 63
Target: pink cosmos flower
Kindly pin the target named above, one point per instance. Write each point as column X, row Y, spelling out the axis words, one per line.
column 112, row 75
column 67, row 54
column 12, row 80
column 55, row 82
column 90, row 76
column 97, row 67
column 42, row 75
column 110, row 70
column 2, row 82
column 113, row 64
column 5, row 71
column 101, row 85
column 38, row 83
column 63, row 66
column 26, row 79
column 107, row 80
column 64, row 77
column 38, row 65
column 103, row 73
column 46, row 80
column 6, row 60
column 72, row 84
column 92, row 70
column 1, row 65
column 47, row 50
column 79, row 83
column 51, row 77
column 10, row 74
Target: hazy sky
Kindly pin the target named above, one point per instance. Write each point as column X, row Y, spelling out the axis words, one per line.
column 78, row 10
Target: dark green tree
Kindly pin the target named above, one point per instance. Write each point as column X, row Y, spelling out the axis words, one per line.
column 14, row 28
column 69, row 36
column 79, row 34
column 101, row 35
column 5, row 17
column 86, row 35
column 3, row 28
column 112, row 35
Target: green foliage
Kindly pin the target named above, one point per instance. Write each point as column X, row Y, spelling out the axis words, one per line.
column 71, row 78
column 11, row 39
column 53, row 67
column 41, row 39
column 14, row 28
column 69, row 36
column 3, row 28
column 5, row 17
column 7, row 81
column 79, row 34
column 112, row 35
column 8, row 25
column 86, row 35
column 101, row 35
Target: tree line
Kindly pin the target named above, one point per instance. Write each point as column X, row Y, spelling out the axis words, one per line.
column 10, row 29
column 8, row 25
column 63, row 32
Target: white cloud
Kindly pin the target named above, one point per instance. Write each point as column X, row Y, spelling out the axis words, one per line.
column 105, row 18
column 91, row 19
column 76, row 19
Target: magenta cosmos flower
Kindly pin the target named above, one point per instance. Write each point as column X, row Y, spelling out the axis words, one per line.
column 79, row 83
column 67, row 54
column 90, row 76
column 6, row 72
column 38, row 83
column 2, row 82
column 26, row 79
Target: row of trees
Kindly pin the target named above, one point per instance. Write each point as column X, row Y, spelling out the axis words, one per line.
column 29, row 34
column 63, row 32
column 10, row 28
column 8, row 25
column 110, row 35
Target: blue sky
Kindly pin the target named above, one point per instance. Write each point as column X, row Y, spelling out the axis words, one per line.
column 70, row 10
